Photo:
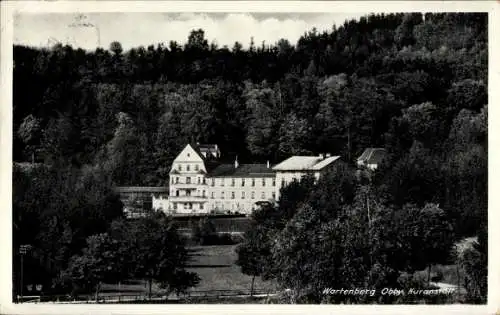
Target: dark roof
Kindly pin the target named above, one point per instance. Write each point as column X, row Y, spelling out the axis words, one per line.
column 243, row 170
column 210, row 165
column 373, row 155
column 207, row 146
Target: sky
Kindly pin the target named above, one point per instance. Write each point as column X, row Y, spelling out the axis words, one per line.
column 136, row 29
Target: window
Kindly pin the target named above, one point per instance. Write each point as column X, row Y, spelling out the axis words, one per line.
column 253, row 181
column 222, row 195
column 187, row 168
column 242, row 182
column 232, row 181
column 177, row 180
column 213, row 195
column 263, row 195
column 263, row 182
column 242, row 195
column 188, row 192
column 232, row 195
column 199, row 180
column 175, row 205
column 177, row 193
column 203, row 194
column 196, row 167
column 283, row 183
column 213, row 182
column 274, row 195
column 274, row 181
column 222, row 181
column 188, row 180
column 204, row 181
column 190, row 205
column 201, row 206
column 185, row 205
column 180, row 167
column 253, row 194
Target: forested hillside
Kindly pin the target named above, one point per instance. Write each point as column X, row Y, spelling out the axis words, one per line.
column 415, row 85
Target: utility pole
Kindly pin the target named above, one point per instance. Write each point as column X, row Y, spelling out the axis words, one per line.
column 23, row 250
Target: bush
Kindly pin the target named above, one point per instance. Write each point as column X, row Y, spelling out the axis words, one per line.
column 203, row 232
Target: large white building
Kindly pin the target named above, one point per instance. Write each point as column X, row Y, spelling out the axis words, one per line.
column 200, row 184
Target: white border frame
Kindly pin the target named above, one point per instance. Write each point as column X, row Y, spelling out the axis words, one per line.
column 8, row 8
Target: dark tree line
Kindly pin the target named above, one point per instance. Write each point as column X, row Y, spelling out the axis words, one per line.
column 340, row 233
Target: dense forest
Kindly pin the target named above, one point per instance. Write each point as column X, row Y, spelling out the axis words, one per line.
column 85, row 121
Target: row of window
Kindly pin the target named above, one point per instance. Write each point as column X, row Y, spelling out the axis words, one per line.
column 243, row 195
column 233, row 194
column 243, row 182
column 188, row 167
column 188, row 180
column 233, row 181
column 187, row 206
column 188, row 193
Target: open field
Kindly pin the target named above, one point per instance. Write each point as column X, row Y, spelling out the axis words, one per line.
column 215, row 265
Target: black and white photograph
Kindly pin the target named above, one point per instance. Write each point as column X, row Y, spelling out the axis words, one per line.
column 249, row 157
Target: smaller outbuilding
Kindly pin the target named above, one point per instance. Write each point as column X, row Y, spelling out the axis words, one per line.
column 372, row 158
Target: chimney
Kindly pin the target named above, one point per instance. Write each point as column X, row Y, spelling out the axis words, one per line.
column 268, row 165
column 236, row 164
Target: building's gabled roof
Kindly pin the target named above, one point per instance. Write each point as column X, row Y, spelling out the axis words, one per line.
column 324, row 163
column 243, row 170
column 196, row 149
column 305, row 163
column 372, row 156
column 297, row 163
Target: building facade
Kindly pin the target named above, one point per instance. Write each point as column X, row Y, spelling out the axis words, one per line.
column 296, row 167
column 199, row 184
